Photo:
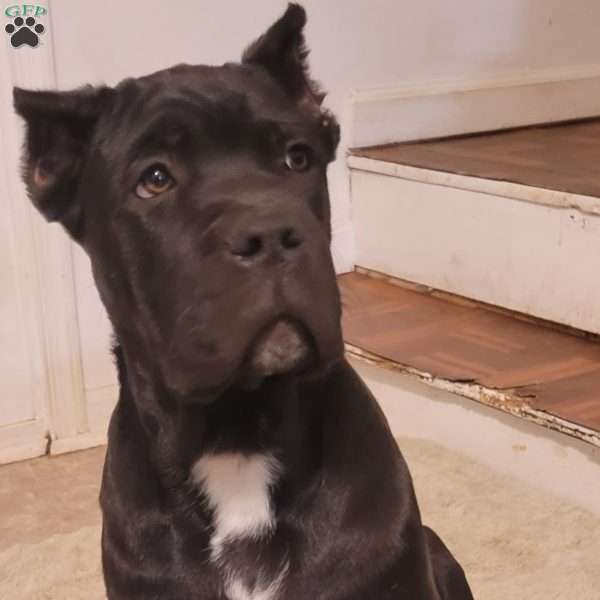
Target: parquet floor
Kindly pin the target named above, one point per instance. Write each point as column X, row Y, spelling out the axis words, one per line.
column 555, row 371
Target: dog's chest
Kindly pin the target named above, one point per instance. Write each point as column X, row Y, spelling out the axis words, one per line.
column 237, row 489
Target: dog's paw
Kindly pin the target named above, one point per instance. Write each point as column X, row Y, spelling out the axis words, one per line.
column 24, row 31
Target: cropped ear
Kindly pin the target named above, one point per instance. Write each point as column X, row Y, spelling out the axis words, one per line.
column 283, row 53
column 59, row 129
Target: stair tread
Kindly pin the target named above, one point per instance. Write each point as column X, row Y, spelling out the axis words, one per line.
column 549, row 370
column 562, row 157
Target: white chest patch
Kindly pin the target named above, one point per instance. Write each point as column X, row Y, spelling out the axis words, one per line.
column 238, row 490
column 236, row 590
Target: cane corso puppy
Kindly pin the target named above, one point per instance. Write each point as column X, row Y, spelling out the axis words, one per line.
column 246, row 459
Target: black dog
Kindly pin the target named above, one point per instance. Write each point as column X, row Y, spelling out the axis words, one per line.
column 246, row 459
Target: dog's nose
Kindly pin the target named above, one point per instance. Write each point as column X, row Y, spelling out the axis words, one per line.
column 252, row 245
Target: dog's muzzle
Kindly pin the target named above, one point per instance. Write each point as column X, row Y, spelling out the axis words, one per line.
column 283, row 348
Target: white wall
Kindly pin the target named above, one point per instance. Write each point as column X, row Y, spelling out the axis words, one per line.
column 356, row 44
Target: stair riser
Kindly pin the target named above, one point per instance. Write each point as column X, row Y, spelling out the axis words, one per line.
column 533, row 258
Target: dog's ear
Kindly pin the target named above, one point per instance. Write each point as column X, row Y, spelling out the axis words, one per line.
column 283, row 53
column 59, row 128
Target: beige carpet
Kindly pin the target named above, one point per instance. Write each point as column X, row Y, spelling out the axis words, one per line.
column 514, row 542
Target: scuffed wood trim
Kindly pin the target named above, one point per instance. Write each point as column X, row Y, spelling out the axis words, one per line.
column 507, row 401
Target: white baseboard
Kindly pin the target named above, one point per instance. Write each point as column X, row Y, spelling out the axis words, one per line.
column 22, row 452
column 76, row 443
column 22, row 441
column 444, row 108
column 29, row 439
column 100, row 405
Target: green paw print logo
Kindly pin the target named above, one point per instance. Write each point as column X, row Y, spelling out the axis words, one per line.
column 24, row 30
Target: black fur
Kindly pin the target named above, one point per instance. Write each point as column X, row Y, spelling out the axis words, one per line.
column 59, row 129
column 193, row 279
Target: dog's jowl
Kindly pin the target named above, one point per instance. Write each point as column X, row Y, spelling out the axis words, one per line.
column 246, row 459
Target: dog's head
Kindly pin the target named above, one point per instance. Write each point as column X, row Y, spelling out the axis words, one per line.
column 200, row 196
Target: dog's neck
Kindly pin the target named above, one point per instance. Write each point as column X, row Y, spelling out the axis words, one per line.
column 277, row 418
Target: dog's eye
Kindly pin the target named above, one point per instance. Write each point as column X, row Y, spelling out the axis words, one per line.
column 297, row 157
column 155, row 180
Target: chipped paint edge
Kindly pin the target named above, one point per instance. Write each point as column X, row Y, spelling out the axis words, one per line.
column 503, row 400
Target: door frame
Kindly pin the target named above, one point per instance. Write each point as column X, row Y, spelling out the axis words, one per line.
column 61, row 421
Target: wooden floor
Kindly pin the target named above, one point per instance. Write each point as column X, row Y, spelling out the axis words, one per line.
column 551, row 370
column 563, row 157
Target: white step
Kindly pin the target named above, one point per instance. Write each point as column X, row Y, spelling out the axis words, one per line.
column 528, row 249
column 546, row 459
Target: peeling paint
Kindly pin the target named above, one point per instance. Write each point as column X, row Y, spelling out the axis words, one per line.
column 506, row 400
